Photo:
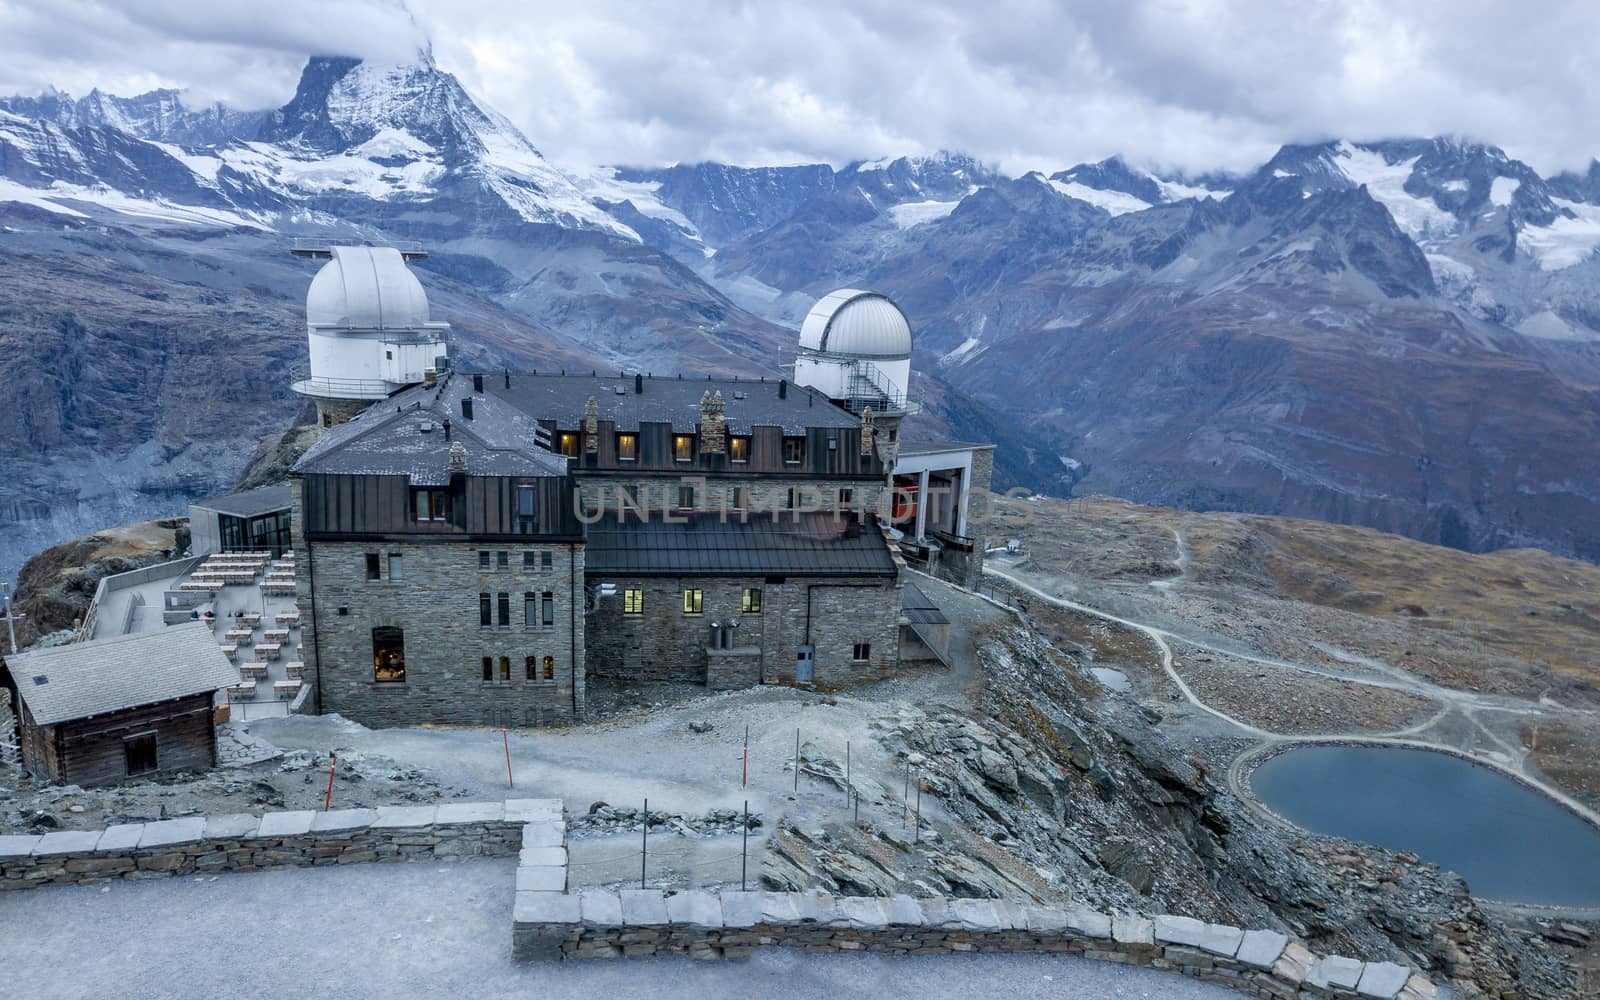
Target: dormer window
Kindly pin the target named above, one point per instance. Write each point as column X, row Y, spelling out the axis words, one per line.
column 739, row 449
column 431, row 505
column 627, row 447
column 568, row 442
column 794, row 450
column 683, row 447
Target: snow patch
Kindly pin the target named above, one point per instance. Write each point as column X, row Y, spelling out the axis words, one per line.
column 1115, row 202
column 12, row 191
column 1566, row 242
column 915, row 213
column 1174, row 191
column 959, row 355
column 1386, row 182
column 603, row 184
column 160, row 209
column 1448, row 269
column 1502, row 189
column 1546, row 325
column 1457, row 186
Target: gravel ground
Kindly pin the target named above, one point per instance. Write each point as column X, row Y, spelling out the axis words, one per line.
column 421, row 931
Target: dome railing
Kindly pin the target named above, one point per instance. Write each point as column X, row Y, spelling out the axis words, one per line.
column 304, row 383
column 867, row 387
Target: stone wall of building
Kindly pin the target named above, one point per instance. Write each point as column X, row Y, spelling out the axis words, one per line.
column 436, row 604
column 663, row 643
column 244, row 842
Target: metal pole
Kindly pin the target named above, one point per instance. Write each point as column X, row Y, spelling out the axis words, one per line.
column 744, row 850
column 916, row 831
column 905, row 795
column 856, row 798
column 744, row 778
column 333, row 762
column 644, row 849
column 11, row 628
column 507, row 741
column 847, row 772
column 797, row 760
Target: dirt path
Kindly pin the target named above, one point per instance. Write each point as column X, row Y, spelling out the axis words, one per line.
column 1508, row 759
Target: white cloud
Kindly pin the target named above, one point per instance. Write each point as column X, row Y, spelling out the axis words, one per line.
column 1200, row 84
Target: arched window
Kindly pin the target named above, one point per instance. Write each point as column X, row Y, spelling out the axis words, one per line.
column 388, row 655
column 549, row 668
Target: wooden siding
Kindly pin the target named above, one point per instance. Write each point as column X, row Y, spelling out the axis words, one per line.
column 91, row 751
column 479, row 506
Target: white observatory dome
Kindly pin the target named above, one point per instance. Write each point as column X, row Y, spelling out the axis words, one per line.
column 366, row 288
column 857, row 323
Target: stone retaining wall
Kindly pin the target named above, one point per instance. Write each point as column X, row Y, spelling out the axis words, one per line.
column 238, row 843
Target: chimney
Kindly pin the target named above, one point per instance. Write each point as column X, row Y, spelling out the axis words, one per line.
column 638, row 383
column 783, row 388
column 458, row 457
column 446, row 426
column 466, row 409
column 477, row 383
column 430, row 377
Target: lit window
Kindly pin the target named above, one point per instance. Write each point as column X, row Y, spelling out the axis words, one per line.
column 569, row 443
column 505, row 670
column 794, row 450
column 738, row 449
column 683, row 447
column 549, row 668
column 633, row 602
column 751, row 604
column 388, row 655
column 694, row 602
column 861, row 652
column 627, row 447
column 396, row 566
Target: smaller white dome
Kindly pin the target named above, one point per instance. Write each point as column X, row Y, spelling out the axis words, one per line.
column 857, row 323
column 366, row 288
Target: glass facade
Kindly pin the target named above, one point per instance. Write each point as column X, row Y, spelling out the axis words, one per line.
column 268, row 532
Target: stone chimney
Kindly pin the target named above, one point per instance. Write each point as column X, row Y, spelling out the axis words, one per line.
column 458, row 457
column 591, row 426
column 867, row 432
column 713, row 424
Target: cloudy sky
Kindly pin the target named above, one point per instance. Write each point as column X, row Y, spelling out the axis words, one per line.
column 1195, row 84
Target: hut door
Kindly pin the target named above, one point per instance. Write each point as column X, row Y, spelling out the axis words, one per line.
column 804, row 659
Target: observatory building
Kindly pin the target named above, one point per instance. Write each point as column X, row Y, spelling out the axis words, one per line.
column 368, row 327
column 473, row 547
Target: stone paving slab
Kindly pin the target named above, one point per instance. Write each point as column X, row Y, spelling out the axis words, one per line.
column 1336, row 970
column 530, row 810
column 295, row 823
column 741, row 908
column 1090, row 923
column 232, row 826
column 546, row 833
column 19, row 845
column 546, row 908
column 543, row 878
column 644, row 907
column 601, row 908
column 1261, row 948
column 1383, row 980
column 532, row 856
column 67, row 842
column 342, row 819
column 404, row 817
column 173, row 831
column 695, row 907
column 123, row 837
column 471, row 812
column 1130, row 928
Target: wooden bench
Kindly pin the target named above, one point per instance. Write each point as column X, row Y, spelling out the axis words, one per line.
column 279, row 635
column 254, row 668
column 243, row 689
column 230, row 650
column 240, row 635
column 286, row 690
column 289, row 618
column 268, row 649
column 294, row 668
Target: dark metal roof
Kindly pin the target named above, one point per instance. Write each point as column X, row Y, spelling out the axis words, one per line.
column 388, row 439
column 675, row 401
column 934, row 447
column 814, row 544
column 914, row 604
column 249, row 503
